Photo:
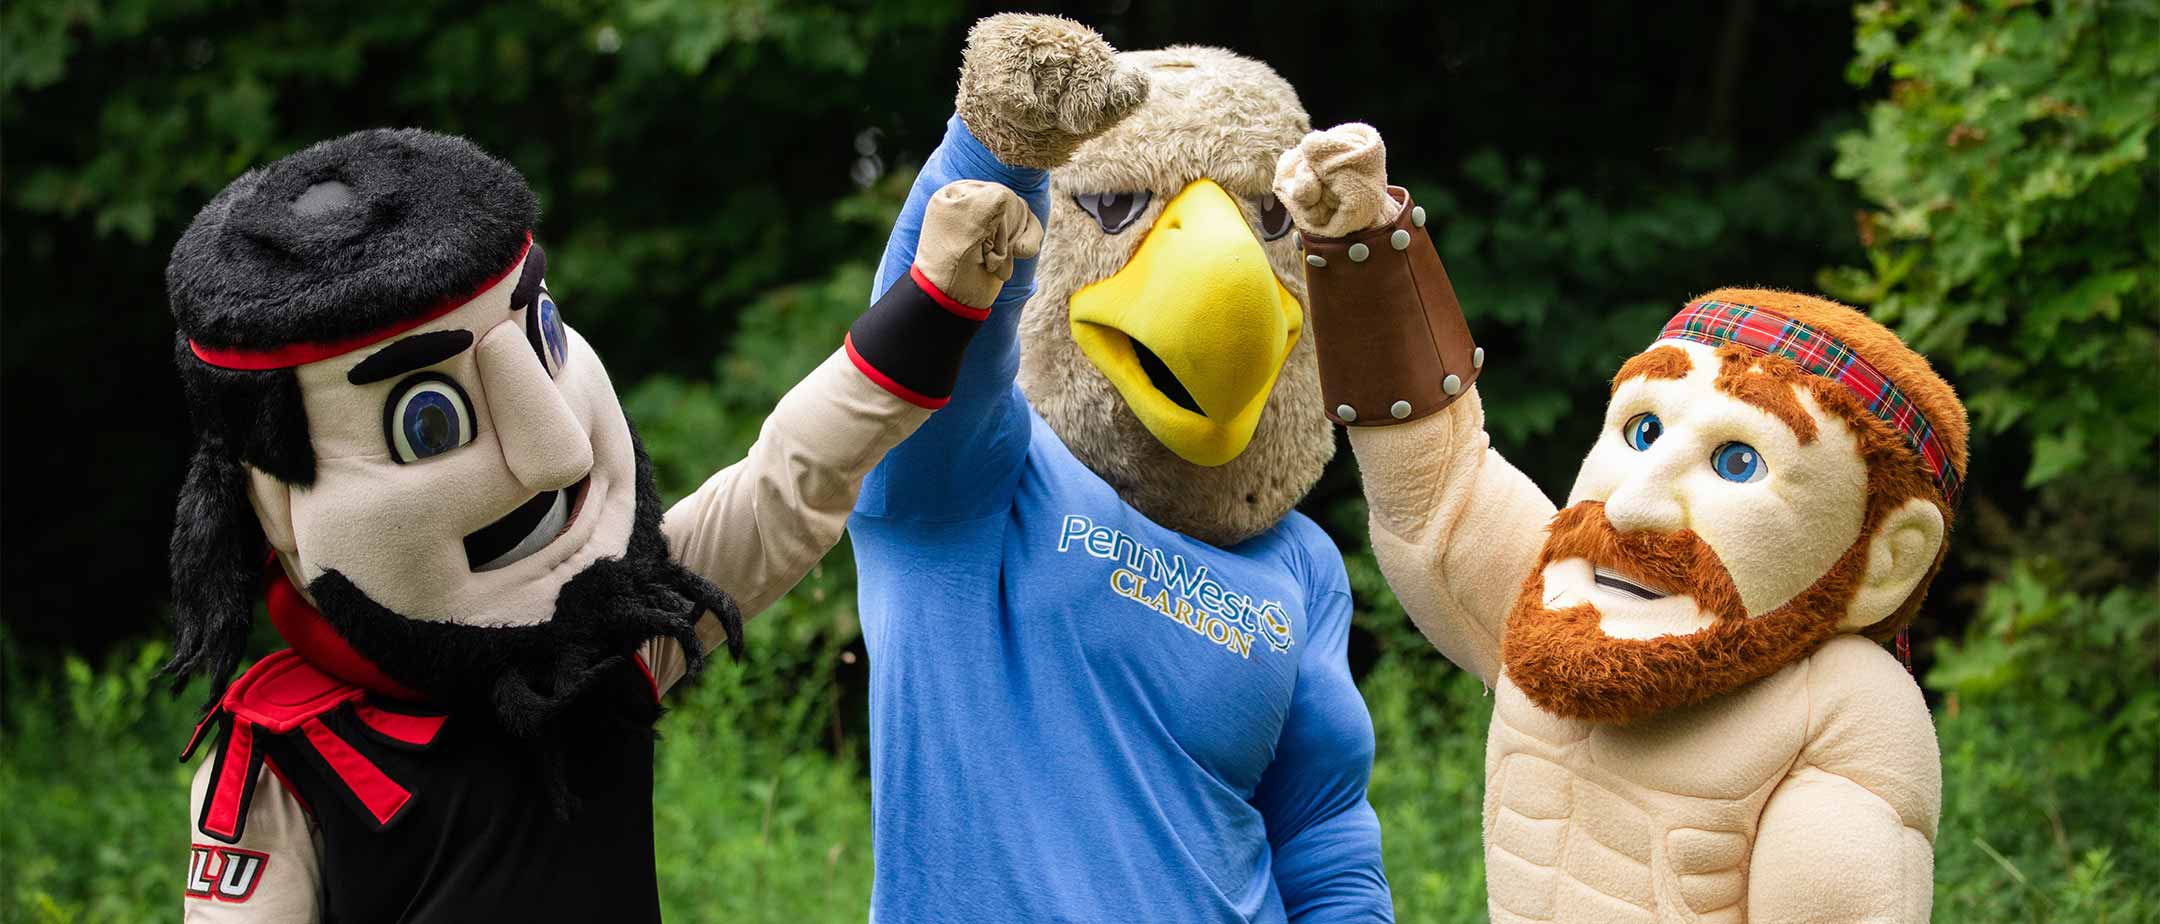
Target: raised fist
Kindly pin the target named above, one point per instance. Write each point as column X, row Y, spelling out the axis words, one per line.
column 1334, row 183
column 972, row 232
column 1033, row 88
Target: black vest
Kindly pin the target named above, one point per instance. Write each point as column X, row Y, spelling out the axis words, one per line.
column 480, row 837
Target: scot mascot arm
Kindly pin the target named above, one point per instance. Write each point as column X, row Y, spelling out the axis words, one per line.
column 1455, row 527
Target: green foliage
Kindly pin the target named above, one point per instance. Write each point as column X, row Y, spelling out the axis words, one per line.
column 2051, row 809
column 755, row 818
column 97, row 806
column 2013, row 235
column 587, row 97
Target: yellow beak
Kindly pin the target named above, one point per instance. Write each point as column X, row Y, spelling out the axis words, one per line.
column 1194, row 329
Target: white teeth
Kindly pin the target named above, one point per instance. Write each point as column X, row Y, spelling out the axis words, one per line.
column 542, row 533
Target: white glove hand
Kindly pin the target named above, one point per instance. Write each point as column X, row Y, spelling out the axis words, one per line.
column 1334, row 183
column 972, row 233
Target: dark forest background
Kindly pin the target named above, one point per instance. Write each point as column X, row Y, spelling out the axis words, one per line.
column 717, row 178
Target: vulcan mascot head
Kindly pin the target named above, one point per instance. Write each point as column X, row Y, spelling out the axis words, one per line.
column 1166, row 340
column 389, row 403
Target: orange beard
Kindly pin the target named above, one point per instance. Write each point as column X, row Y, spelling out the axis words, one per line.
column 1569, row 667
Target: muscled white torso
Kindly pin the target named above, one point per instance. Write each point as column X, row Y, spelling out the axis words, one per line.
column 1811, row 795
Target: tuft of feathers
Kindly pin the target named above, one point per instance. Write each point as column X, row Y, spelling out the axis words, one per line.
column 346, row 237
column 1035, row 87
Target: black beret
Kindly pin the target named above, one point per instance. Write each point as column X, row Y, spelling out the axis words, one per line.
column 347, row 237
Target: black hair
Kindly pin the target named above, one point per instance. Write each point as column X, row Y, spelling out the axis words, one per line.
column 242, row 418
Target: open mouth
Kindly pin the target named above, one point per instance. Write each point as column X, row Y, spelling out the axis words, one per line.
column 1160, row 376
column 526, row 530
column 1613, row 581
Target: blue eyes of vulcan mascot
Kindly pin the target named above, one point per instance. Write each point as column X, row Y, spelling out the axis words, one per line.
column 544, row 327
column 429, row 414
column 1116, row 211
column 1733, row 461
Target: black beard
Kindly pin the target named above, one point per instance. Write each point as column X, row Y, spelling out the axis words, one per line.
column 525, row 677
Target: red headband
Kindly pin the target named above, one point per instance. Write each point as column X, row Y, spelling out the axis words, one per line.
column 1766, row 332
column 300, row 354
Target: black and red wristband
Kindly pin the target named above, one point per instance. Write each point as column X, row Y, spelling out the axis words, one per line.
column 911, row 341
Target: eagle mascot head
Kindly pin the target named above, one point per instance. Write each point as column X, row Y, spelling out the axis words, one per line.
column 1166, row 342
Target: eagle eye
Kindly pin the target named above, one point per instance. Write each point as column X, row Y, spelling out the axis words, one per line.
column 1114, row 211
column 1274, row 218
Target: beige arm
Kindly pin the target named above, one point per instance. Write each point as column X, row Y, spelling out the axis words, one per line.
column 272, row 875
column 1455, row 527
column 756, row 527
column 1849, row 835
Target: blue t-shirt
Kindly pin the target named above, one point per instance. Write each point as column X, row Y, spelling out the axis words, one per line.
column 1079, row 715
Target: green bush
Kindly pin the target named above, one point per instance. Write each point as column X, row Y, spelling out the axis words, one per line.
column 2050, row 724
column 96, row 815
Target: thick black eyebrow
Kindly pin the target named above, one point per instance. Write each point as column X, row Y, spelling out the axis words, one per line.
column 418, row 351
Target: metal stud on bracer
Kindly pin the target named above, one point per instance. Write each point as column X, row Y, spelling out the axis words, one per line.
column 1315, row 260
column 1399, row 410
column 1358, row 253
column 1346, row 413
column 1400, row 240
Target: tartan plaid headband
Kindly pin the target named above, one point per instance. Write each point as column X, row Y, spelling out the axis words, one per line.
column 1766, row 332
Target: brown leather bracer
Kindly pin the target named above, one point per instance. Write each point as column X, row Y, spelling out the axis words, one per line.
column 1392, row 341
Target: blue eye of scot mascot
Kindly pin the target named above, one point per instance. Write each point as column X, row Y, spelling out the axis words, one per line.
column 1107, row 657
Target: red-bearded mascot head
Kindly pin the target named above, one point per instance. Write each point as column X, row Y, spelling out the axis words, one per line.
column 389, row 404
column 1776, row 469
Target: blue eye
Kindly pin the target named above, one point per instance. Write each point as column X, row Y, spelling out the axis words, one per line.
column 1641, row 430
column 544, row 327
column 427, row 415
column 1739, row 462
